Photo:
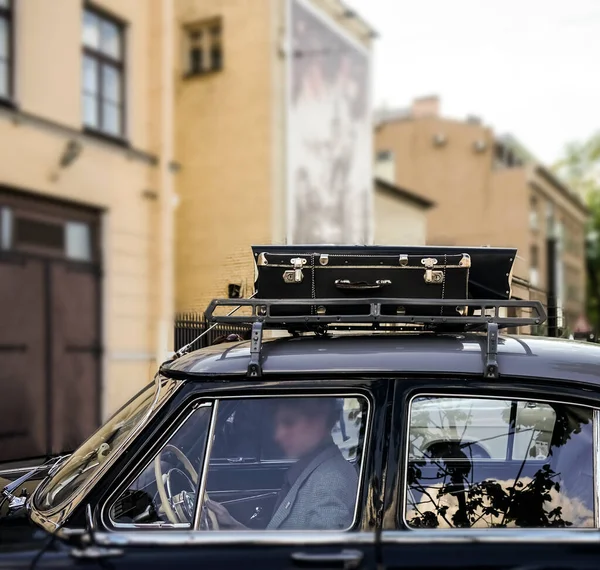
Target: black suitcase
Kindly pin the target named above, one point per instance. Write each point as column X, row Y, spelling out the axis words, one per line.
column 422, row 272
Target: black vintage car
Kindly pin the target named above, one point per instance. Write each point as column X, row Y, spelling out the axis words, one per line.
column 379, row 433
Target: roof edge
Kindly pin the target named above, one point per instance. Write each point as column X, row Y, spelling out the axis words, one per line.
column 404, row 193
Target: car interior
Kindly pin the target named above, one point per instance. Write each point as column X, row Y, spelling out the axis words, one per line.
column 245, row 474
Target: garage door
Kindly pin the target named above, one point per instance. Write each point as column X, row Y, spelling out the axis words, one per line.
column 50, row 349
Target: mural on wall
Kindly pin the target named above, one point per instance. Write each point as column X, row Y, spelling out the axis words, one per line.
column 329, row 137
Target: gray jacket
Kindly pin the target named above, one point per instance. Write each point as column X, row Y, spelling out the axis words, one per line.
column 322, row 498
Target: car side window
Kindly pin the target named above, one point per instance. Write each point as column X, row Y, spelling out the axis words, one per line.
column 165, row 491
column 276, row 463
column 478, row 462
column 309, row 452
column 246, row 435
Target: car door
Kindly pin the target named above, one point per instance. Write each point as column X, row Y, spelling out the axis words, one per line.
column 332, row 526
column 498, row 476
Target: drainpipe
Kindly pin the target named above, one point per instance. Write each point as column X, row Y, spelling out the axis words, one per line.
column 551, row 246
column 165, row 325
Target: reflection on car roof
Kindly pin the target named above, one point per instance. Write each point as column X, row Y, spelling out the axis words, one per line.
column 528, row 356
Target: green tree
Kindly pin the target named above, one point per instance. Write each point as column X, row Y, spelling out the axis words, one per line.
column 580, row 168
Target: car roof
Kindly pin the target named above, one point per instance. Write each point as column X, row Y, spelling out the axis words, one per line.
column 436, row 354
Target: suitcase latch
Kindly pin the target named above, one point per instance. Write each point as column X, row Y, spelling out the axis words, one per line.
column 295, row 275
column 432, row 276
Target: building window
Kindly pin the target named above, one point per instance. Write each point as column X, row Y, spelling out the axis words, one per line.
column 78, row 241
column 204, row 47
column 533, row 214
column 534, row 272
column 505, row 157
column 103, row 74
column 46, row 236
column 550, row 225
column 31, row 232
column 6, row 51
column 383, row 155
column 6, row 228
column 573, row 293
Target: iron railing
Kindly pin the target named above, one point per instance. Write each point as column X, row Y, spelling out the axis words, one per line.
column 189, row 326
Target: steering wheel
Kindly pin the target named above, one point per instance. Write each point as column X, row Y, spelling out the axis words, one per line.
column 180, row 508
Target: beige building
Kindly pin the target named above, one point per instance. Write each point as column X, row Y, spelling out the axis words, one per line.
column 400, row 216
column 231, row 128
column 143, row 153
column 86, row 212
column 488, row 191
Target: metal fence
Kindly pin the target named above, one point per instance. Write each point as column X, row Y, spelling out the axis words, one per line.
column 189, row 326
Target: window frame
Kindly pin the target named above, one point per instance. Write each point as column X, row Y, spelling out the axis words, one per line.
column 401, row 523
column 17, row 215
column 101, row 60
column 8, row 15
column 209, row 43
column 384, row 155
column 179, row 419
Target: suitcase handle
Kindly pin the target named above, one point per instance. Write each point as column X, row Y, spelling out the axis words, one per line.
column 347, row 284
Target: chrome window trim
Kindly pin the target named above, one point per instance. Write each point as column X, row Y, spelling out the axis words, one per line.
column 205, row 465
column 144, row 462
column 53, row 519
column 191, row 538
column 596, row 470
column 259, row 493
column 402, row 494
column 491, row 535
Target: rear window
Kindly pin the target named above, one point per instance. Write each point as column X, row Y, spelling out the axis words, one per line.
column 486, row 462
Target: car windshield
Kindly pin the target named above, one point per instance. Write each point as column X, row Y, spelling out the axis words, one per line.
column 81, row 466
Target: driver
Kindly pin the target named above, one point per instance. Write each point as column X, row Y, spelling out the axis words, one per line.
column 319, row 489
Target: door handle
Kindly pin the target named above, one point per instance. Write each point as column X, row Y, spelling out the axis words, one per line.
column 347, row 559
column 95, row 553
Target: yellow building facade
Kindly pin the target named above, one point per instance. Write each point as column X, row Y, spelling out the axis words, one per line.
column 143, row 153
column 86, row 188
column 231, row 128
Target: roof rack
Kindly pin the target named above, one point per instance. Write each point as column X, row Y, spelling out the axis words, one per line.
column 321, row 315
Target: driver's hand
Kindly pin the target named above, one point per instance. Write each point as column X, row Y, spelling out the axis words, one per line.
column 222, row 514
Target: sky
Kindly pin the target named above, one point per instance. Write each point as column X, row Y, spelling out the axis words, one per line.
column 526, row 67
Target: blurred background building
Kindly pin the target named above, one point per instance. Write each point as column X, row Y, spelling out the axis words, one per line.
column 400, row 215
column 488, row 190
column 86, row 187
column 146, row 146
column 274, row 133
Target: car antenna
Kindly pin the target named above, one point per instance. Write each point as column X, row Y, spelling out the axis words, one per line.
column 184, row 349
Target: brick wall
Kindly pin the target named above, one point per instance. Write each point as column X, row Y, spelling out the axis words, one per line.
column 224, row 142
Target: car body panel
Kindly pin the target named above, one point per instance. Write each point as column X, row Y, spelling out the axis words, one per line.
column 389, row 370
column 528, row 357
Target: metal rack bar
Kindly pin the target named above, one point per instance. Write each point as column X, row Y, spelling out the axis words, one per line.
column 491, row 352
column 254, row 367
column 374, row 312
